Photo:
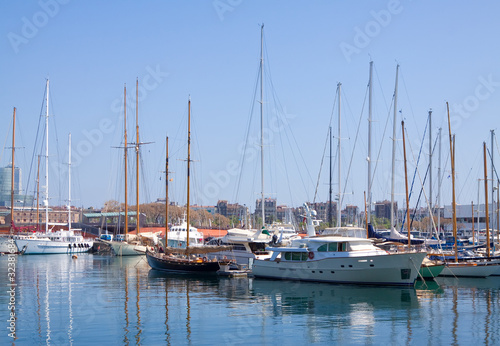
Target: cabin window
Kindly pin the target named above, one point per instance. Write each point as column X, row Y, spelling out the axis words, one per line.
column 288, row 256
column 323, row 248
column 296, row 256
column 342, row 246
column 332, row 246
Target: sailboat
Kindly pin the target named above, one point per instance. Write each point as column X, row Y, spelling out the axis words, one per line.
column 126, row 244
column 191, row 259
column 52, row 242
column 470, row 268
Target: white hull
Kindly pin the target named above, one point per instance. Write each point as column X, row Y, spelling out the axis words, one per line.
column 45, row 246
column 390, row 269
column 121, row 248
column 463, row 270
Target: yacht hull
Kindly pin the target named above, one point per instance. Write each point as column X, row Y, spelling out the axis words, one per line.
column 391, row 269
column 172, row 264
column 47, row 246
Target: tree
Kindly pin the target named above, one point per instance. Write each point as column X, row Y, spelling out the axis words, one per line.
column 110, row 206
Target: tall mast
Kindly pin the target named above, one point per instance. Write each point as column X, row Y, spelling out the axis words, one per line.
column 137, row 153
column 166, row 197
column 69, row 183
column 330, row 185
column 46, row 200
column 492, row 184
column 262, row 124
column 394, row 145
column 339, row 215
column 12, row 172
column 454, row 207
column 439, row 185
column 370, row 91
column 406, row 187
column 125, row 155
column 486, row 212
column 188, row 162
column 430, row 170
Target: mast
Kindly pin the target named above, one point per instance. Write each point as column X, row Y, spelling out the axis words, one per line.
column 188, row 162
column 394, row 146
column 330, row 185
column 138, row 226
column 406, row 187
column 12, row 172
column 430, row 170
column 339, row 215
column 69, row 183
column 370, row 93
column 486, row 201
column 492, row 183
column 166, row 197
column 125, row 155
column 38, row 196
column 439, row 185
column 46, row 200
column 262, row 123
column 454, row 207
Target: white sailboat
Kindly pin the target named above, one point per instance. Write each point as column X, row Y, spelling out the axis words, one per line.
column 52, row 242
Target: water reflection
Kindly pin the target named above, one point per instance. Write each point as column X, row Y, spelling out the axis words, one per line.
column 120, row 300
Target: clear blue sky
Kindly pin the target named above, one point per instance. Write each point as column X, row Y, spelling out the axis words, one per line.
column 210, row 50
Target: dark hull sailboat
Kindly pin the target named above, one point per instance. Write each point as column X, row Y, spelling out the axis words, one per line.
column 172, row 263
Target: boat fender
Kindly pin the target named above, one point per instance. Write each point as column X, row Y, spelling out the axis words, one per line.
column 311, row 255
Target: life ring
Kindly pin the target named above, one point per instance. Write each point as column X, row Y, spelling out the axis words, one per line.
column 311, row 255
column 205, row 259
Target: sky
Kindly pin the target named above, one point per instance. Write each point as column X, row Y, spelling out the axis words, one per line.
column 209, row 52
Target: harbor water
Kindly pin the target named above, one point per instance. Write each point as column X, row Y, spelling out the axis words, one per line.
column 58, row 300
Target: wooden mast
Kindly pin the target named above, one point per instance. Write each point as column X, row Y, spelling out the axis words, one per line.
column 138, row 227
column 125, row 155
column 188, row 162
column 486, row 201
column 406, row 187
column 12, row 172
column 452, row 154
column 166, row 197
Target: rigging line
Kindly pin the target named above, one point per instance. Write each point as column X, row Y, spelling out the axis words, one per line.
column 422, row 184
column 250, row 116
column 6, row 138
column 381, row 143
column 324, row 150
column 494, row 167
column 355, row 141
column 415, row 172
column 409, row 101
column 418, row 158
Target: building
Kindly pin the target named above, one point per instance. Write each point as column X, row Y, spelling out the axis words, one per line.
column 351, row 214
column 383, row 209
column 28, row 216
column 322, row 210
column 231, row 209
column 20, row 200
column 269, row 209
column 211, row 209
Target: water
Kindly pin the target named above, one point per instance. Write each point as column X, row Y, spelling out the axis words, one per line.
column 116, row 301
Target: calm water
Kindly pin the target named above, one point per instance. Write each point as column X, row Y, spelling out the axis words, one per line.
column 112, row 300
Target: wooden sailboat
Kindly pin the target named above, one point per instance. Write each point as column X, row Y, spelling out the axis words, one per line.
column 189, row 259
column 125, row 246
column 471, row 268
